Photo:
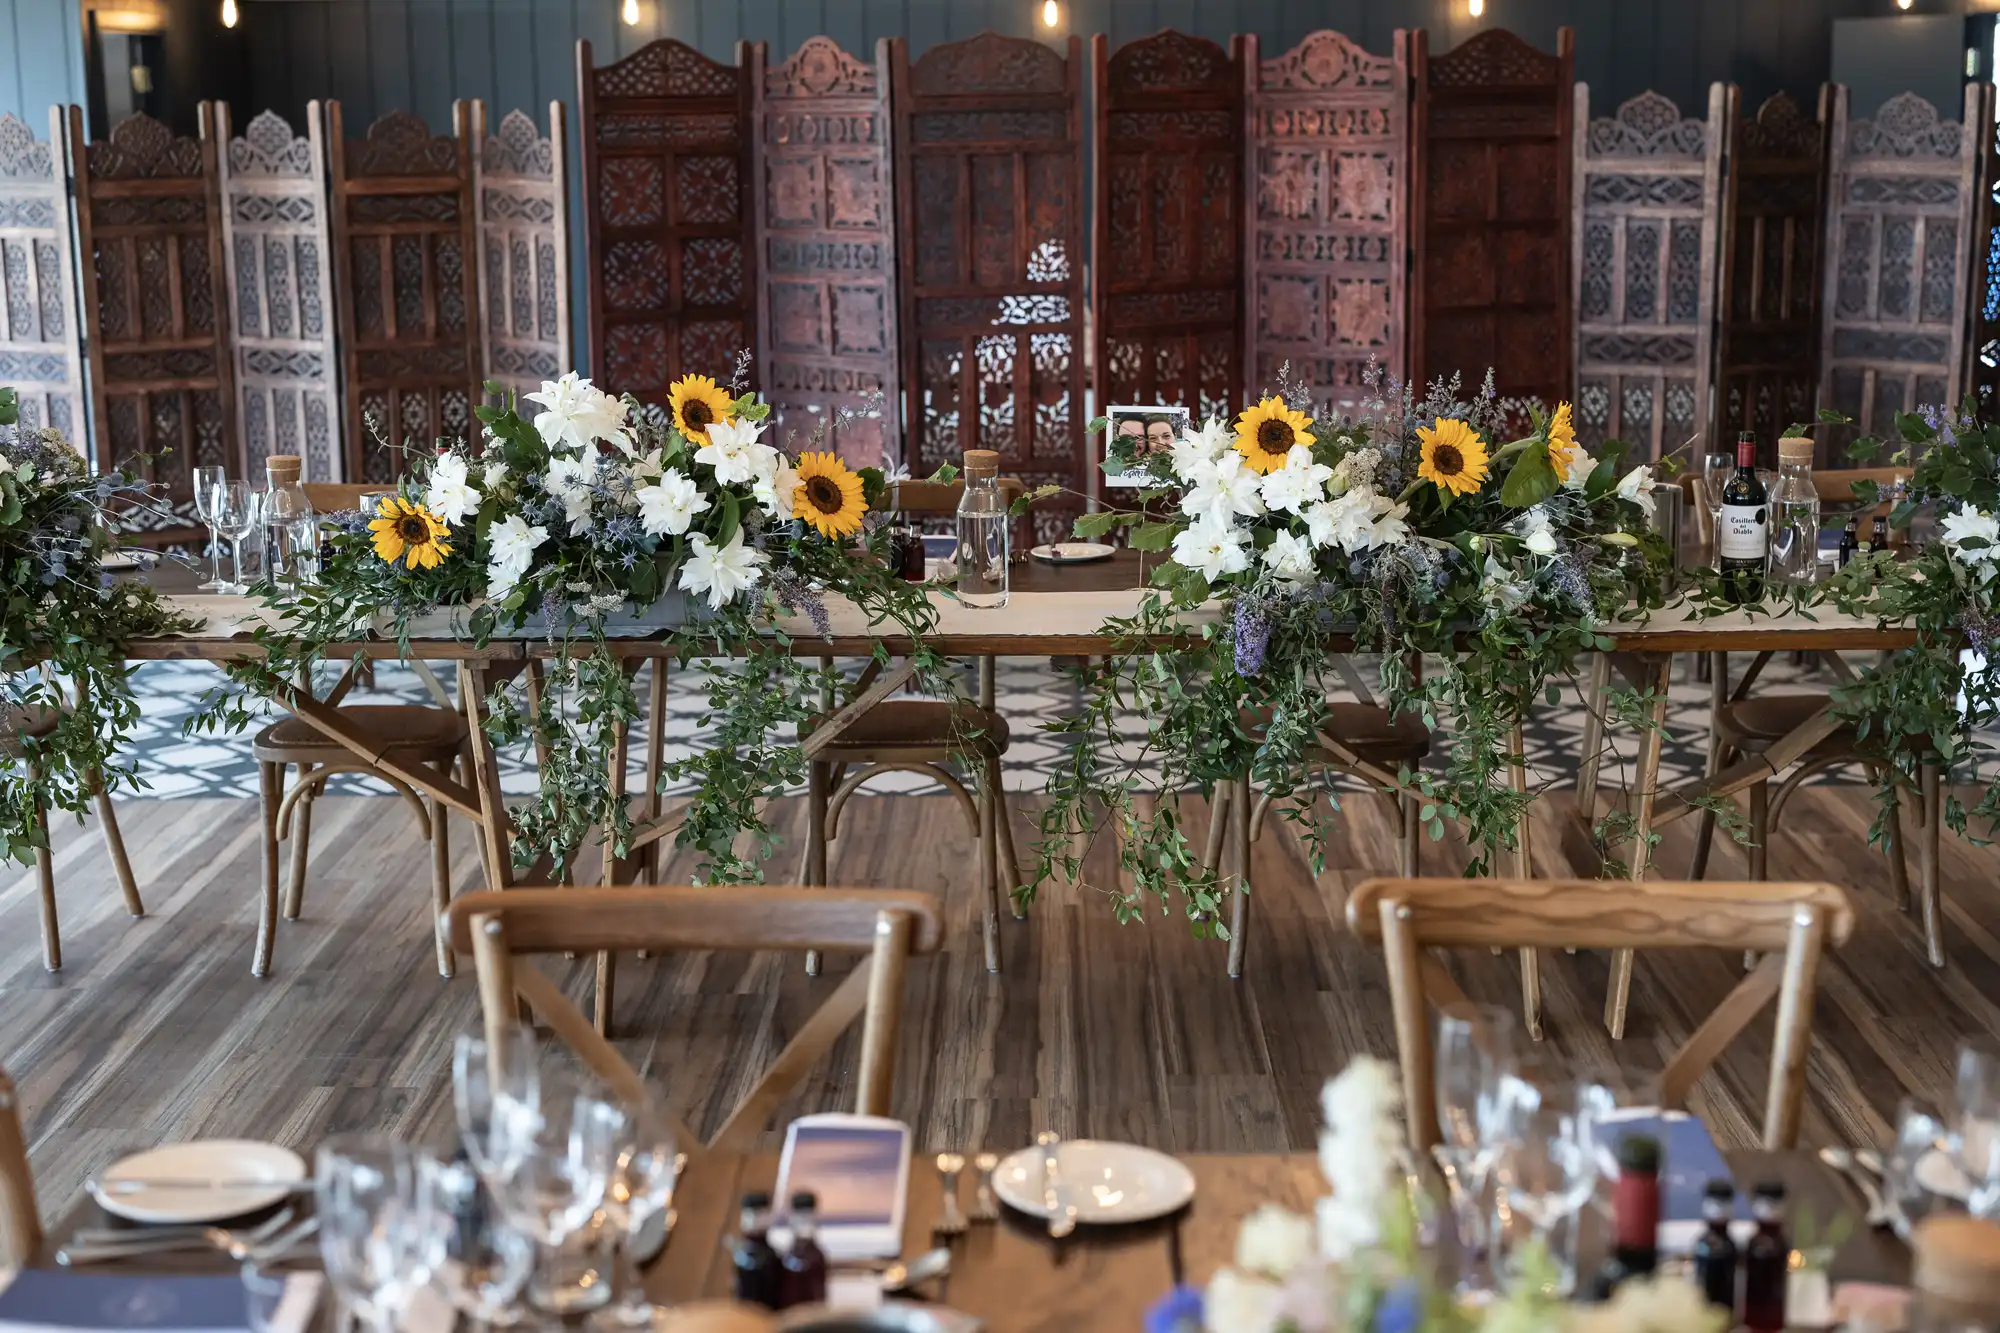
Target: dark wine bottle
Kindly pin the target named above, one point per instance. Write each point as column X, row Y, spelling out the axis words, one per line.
column 1715, row 1253
column 758, row 1273
column 1767, row 1262
column 1850, row 542
column 1635, row 1214
column 1743, row 538
column 803, row 1281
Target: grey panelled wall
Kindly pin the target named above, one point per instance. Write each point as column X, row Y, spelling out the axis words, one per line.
column 41, row 58
column 381, row 55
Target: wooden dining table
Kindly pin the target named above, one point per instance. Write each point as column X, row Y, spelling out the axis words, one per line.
column 1013, row 1277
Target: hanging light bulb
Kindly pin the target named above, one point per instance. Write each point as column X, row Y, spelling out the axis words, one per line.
column 630, row 13
column 1475, row 7
column 1902, row 4
column 229, row 14
column 1051, row 13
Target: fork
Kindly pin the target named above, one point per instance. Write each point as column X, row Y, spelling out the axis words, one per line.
column 143, row 1243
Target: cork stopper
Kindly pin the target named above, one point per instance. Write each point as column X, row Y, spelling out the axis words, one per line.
column 1795, row 451
column 982, row 463
column 1957, row 1263
column 282, row 469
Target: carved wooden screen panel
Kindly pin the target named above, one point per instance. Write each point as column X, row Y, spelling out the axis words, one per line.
column 1168, row 291
column 989, row 179
column 1647, row 180
column 666, row 171
column 156, row 318
column 1491, row 271
column 1983, row 344
column 278, row 255
column 41, row 344
column 1767, row 311
column 1904, row 191
column 1329, row 189
column 521, row 194
column 825, row 211
column 405, row 283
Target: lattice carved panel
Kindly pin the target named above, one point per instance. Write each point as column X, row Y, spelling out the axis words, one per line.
column 1327, row 180
column 1169, row 223
column 1903, row 187
column 41, row 342
column 1645, row 184
column 406, row 287
column 990, row 197
column 277, row 247
column 1491, row 268
column 667, row 203
column 520, row 188
column 156, row 313
column 825, row 215
column 1768, row 296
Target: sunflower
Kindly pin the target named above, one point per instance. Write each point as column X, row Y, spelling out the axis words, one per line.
column 829, row 495
column 1563, row 453
column 409, row 532
column 1266, row 433
column 1454, row 456
column 698, row 402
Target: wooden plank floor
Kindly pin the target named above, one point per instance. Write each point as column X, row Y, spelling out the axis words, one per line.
column 156, row 1030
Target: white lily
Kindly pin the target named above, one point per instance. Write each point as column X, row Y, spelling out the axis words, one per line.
column 1198, row 447
column 1971, row 524
column 1537, row 532
column 1224, row 490
column 1289, row 558
column 777, row 489
column 1300, row 482
column 451, row 496
column 511, row 542
column 1637, row 486
column 568, row 480
column 1213, row 547
column 736, row 454
column 721, row 572
column 576, row 415
column 667, row 507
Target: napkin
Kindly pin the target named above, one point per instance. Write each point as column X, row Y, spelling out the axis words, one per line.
column 44, row 1300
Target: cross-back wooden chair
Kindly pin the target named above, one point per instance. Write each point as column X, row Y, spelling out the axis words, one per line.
column 889, row 925
column 20, row 1222
column 924, row 736
column 1791, row 924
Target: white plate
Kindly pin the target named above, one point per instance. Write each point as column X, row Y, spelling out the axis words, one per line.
column 1941, row 1176
column 1073, row 553
column 1109, row 1182
column 118, row 562
column 205, row 1159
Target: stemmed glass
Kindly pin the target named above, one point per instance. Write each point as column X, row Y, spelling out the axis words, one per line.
column 381, row 1235
column 1715, row 470
column 1547, row 1167
column 1475, row 1053
column 485, row 1260
column 483, row 1075
column 239, row 513
column 207, row 481
column 1921, row 1135
column 549, row 1170
column 641, row 1188
column 1977, row 1133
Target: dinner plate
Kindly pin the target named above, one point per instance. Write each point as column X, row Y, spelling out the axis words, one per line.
column 1109, row 1183
column 231, row 1160
column 1073, row 553
column 118, row 562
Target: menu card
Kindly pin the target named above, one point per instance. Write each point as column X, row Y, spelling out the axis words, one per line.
column 46, row 1300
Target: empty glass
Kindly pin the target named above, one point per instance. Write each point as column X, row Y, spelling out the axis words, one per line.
column 1715, row 470
column 480, row 1075
column 486, row 1261
column 1475, row 1052
column 1918, row 1163
column 239, row 513
column 1977, row 1133
column 549, row 1171
column 381, row 1235
column 1547, row 1167
column 641, row 1188
column 207, row 480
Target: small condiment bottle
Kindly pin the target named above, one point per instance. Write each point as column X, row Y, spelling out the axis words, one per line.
column 1635, row 1215
column 803, row 1281
column 1850, row 542
column 1955, row 1275
column 1767, row 1262
column 1715, row 1254
column 758, row 1272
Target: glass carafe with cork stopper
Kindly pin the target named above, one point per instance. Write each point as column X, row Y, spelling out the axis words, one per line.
column 291, row 530
column 983, row 533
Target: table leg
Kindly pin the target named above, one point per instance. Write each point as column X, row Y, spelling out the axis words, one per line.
column 1927, row 864
column 1718, row 695
column 495, row 846
column 1524, row 868
column 1658, row 669
column 1592, row 750
column 1239, row 901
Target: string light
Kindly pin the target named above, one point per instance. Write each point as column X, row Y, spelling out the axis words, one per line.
column 229, row 13
column 1051, row 13
column 630, row 13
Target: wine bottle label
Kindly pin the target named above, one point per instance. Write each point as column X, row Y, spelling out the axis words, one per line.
column 1745, row 532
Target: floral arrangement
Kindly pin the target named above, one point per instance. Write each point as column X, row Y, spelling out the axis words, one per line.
column 63, row 624
column 584, row 510
column 1359, row 1264
column 1416, row 527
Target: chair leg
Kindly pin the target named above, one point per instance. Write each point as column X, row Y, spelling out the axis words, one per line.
column 114, row 843
column 1899, row 865
column 271, row 782
column 1718, row 755
column 302, row 822
column 45, row 874
column 1239, row 901
column 1411, row 833
column 440, row 885
column 1218, row 825
column 989, row 862
column 1760, row 830
column 815, row 875
column 1927, row 867
column 1009, row 858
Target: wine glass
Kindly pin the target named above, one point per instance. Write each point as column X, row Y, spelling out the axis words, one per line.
column 1547, row 1168
column 239, row 513
column 550, row 1170
column 1715, row 470
column 207, row 480
column 486, row 1261
column 641, row 1188
column 380, row 1233
column 1922, row 1136
column 1977, row 1133
column 482, row 1073
column 1475, row 1052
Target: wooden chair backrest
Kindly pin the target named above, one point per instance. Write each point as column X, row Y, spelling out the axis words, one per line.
column 328, row 497
column 890, row 926
column 20, row 1222
column 923, row 498
column 1788, row 923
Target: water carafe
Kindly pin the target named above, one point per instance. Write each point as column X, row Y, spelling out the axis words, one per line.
column 291, row 530
column 983, row 533
column 1795, row 515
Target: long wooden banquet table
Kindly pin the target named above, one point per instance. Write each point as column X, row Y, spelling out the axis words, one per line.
column 1062, row 611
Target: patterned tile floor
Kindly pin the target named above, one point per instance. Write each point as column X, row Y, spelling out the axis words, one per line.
column 1030, row 692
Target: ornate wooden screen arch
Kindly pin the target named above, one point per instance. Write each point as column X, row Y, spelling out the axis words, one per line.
column 405, row 282
column 1327, row 222
column 274, row 228
column 1491, row 272
column 1900, row 240
column 826, row 244
column 41, row 344
column 1167, row 293
column 1646, row 183
column 989, row 182
column 1767, row 306
column 666, row 179
column 520, row 184
column 156, row 314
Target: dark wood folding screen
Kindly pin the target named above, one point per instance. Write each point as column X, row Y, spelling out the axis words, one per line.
column 1767, row 352
column 825, row 227
column 156, row 311
column 989, row 180
column 1983, row 344
column 1491, row 271
column 1326, row 228
column 666, row 181
column 404, row 251
column 1167, row 296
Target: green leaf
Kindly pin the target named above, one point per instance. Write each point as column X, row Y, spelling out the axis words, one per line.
column 10, row 409
column 1913, row 427
column 946, row 474
column 1153, row 536
column 1829, row 417
column 1101, row 522
column 1532, row 480
column 732, row 518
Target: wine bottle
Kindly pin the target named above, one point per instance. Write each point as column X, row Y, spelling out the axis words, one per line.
column 1635, row 1213
column 757, row 1269
column 1767, row 1262
column 1715, row 1253
column 1743, row 538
